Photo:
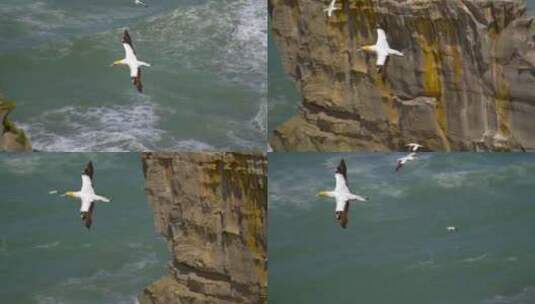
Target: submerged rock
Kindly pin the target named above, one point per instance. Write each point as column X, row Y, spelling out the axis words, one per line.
column 211, row 208
column 466, row 81
column 11, row 137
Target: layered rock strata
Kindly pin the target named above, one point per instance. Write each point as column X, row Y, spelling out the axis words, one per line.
column 466, row 81
column 211, row 209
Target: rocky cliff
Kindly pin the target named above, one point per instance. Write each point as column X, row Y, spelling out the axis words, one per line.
column 11, row 137
column 466, row 82
column 211, row 208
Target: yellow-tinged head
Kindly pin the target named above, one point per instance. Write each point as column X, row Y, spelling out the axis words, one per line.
column 323, row 194
column 117, row 62
column 70, row 194
column 366, row 48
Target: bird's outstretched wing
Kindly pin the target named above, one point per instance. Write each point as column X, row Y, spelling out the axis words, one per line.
column 342, row 169
column 136, row 80
column 87, row 216
column 344, row 216
column 399, row 164
column 381, row 39
column 341, row 177
column 87, row 177
column 128, row 41
column 381, row 58
column 88, row 170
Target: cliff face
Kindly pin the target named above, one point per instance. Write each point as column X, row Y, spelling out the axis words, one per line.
column 466, row 81
column 211, row 208
column 11, row 137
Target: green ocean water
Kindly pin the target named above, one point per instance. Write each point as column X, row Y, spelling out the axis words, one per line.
column 284, row 98
column 206, row 89
column 396, row 248
column 48, row 256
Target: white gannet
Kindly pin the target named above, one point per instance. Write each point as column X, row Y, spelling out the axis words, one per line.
column 402, row 161
column 331, row 8
column 413, row 147
column 451, row 228
column 381, row 48
column 342, row 194
column 131, row 61
column 87, row 196
column 140, row 3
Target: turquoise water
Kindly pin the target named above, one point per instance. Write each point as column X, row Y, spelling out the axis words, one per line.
column 396, row 248
column 282, row 95
column 48, row 256
column 284, row 98
column 206, row 89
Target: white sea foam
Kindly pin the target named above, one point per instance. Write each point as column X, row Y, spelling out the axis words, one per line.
column 526, row 295
column 47, row 245
column 226, row 37
column 259, row 122
column 475, row 259
column 192, row 145
column 117, row 128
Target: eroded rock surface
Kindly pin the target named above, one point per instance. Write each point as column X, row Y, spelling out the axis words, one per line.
column 211, row 209
column 11, row 137
column 466, row 82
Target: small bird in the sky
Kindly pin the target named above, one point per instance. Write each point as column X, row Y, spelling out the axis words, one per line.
column 402, row 161
column 132, row 62
column 87, row 196
column 451, row 228
column 342, row 195
column 140, row 3
column 413, row 147
column 331, row 8
column 381, row 48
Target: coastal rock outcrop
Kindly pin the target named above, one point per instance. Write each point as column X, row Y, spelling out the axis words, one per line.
column 466, row 82
column 211, row 208
column 11, row 137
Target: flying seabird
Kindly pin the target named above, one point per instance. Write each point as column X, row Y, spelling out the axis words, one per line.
column 413, row 147
column 140, row 3
column 381, row 48
column 131, row 61
column 402, row 161
column 87, row 196
column 331, row 8
column 342, row 194
column 451, row 228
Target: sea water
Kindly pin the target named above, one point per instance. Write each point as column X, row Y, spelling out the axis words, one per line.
column 48, row 256
column 206, row 88
column 396, row 248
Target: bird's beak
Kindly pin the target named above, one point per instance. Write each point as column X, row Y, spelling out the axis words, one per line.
column 68, row 193
column 321, row 193
column 115, row 63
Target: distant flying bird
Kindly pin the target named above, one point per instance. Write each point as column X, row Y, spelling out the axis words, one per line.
column 381, row 48
column 413, row 147
column 331, row 8
column 402, row 161
column 342, row 194
column 132, row 62
column 451, row 228
column 140, row 3
column 87, row 196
